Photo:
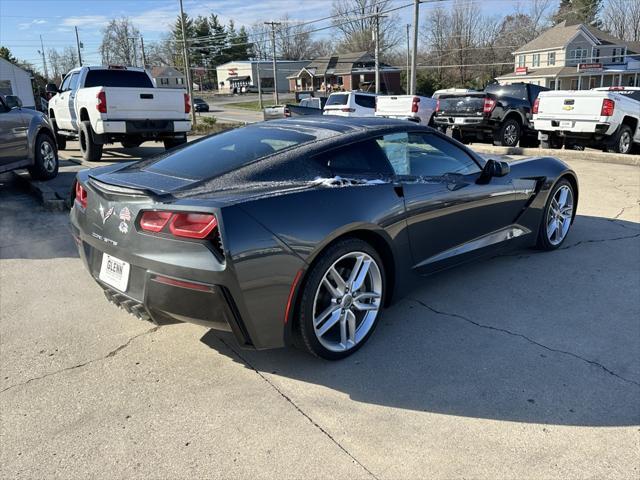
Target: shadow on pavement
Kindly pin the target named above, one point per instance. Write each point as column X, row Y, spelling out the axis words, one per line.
column 537, row 337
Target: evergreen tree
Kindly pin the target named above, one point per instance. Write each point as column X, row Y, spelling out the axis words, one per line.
column 578, row 11
column 6, row 54
column 177, row 38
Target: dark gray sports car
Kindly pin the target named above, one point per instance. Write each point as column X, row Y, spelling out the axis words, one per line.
column 307, row 227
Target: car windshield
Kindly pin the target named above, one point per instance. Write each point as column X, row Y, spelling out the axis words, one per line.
column 218, row 154
column 337, row 99
column 117, row 78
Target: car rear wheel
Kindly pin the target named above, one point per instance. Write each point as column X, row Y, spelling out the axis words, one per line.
column 509, row 134
column 623, row 141
column 558, row 216
column 91, row 151
column 45, row 164
column 341, row 299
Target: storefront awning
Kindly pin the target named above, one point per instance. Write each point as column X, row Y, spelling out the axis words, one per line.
column 244, row 78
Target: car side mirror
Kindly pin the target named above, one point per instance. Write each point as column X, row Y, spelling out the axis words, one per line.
column 493, row 168
column 52, row 88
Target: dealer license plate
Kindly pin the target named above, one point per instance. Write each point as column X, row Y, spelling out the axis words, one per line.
column 114, row 272
column 566, row 123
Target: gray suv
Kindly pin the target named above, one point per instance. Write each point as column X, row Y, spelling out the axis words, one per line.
column 26, row 140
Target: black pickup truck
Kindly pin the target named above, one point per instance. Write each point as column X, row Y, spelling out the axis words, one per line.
column 501, row 114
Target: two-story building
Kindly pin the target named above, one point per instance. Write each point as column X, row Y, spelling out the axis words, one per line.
column 168, row 77
column 576, row 57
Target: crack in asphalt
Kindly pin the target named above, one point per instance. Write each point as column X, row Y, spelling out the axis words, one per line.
column 528, row 339
column 295, row 405
column 111, row 354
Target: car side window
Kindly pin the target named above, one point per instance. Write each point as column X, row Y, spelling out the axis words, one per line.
column 73, row 83
column 358, row 158
column 366, row 101
column 65, row 83
column 425, row 155
column 3, row 107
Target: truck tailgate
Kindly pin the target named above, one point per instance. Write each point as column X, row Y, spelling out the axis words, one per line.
column 394, row 105
column 145, row 103
column 469, row 104
column 574, row 105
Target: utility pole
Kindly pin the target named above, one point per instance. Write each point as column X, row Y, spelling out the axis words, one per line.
column 144, row 58
column 408, row 73
column 44, row 61
column 187, row 66
column 377, row 49
column 275, row 68
column 78, row 45
column 414, row 52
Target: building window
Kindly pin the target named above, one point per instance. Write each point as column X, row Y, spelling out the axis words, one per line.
column 164, row 81
column 578, row 54
column 536, row 60
column 552, row 84
column 521, row 60
column 5, row 87
column 617, row 55
column 180, row 81
column 551, row 58
column 595, row 55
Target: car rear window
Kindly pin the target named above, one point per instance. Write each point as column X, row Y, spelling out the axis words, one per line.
column 117, row 78
column 218, row 154
column 337, row 99
column 367, row 101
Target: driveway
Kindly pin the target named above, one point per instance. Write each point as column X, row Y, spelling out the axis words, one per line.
column 522, row 366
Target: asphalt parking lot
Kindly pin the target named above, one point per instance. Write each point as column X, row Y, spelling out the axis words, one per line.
column 522, row 366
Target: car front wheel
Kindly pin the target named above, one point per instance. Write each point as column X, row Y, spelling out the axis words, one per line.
column 45, row 165
column 342, row 299
column 558, row 216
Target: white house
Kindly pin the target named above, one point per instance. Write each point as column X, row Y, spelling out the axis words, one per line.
column 16, row 81
column 168, row 77
column 232, row 76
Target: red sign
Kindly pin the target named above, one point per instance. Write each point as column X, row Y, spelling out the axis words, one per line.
column 522, row 70
column 233, row 72
column 589, row 67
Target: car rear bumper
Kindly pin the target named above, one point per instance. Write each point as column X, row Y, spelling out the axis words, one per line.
column 149, row 127
column 454, row 121
column 161, row 294
column 570, row 126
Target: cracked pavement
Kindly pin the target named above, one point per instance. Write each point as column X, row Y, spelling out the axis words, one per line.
column 526, row 365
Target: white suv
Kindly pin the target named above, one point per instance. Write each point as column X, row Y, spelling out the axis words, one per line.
column 351, row 104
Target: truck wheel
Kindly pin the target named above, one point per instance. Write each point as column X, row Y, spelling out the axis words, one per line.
column 509, row 134
column 45, row 165
column 456, row 134
column 622, row 141
column 131, row 142
column 91, row 151
column 174, row 142
column 60, row 140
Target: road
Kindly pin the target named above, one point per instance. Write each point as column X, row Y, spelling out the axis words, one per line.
column 220, row 110
column 522, row 366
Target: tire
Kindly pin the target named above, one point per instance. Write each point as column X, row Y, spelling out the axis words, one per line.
column 552, row 238
column 350, row 323
column 60, row 140
column 622, row 141
column 45, row 166
column 131, row 142
column 509, row 133
column 456, row 134
column 174, row 142
column 91, row 151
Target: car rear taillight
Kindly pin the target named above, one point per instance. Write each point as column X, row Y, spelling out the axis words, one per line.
column 81, row 195
column 101, row 106
column 180, row 224
column 193, row 225
column 608, row 106
column 438, row 105
column 153, row 221
column 536, row 105
column 347, row 109
column 489, row 105
column 187, row 103
column 414, row 104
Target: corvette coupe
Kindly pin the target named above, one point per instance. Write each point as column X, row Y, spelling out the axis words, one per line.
column 306, row 228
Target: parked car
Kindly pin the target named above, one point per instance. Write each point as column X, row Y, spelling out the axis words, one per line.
column 455, row 91
column 307, row 106
column 351, row 104
column 200, row 105
column 27, row 141
column 406, row 107
column 101, row 105
column 306, row 226
column 606, row 118
column 501, row 114
column 274, row 112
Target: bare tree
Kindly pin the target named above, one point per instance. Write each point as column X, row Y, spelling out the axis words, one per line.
column 117, row 44
column 355, row 22
column 293, row 41
column 622, row 19
column 62, row 61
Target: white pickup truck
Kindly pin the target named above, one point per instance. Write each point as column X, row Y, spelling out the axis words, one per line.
column 605, row 118
column 101, row 105
column 406, row 107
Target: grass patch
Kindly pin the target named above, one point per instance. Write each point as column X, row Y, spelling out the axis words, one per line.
column 209, row 125
column 253, row 105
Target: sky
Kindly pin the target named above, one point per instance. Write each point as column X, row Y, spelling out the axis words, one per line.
column 23, row 21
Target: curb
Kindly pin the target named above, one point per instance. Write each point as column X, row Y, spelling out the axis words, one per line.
column 43, row 193
column 586, row 155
